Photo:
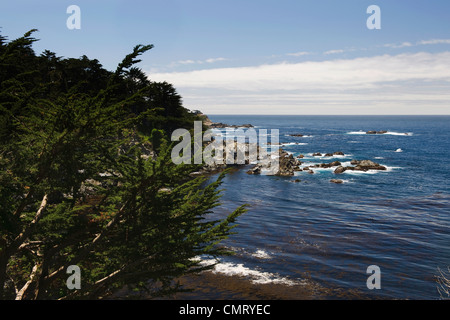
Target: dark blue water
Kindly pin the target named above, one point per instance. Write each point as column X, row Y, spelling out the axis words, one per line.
column 326, row 234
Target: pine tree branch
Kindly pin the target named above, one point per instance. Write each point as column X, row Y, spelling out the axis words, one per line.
column 20, row 239
column 22, row 291
column 87, row 249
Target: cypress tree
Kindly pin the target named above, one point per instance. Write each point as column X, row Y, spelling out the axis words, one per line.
column 86, row 179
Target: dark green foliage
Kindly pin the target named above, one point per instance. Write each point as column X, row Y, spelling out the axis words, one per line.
column 86, row 179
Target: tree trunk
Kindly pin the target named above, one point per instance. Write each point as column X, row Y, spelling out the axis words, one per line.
column 3, row 264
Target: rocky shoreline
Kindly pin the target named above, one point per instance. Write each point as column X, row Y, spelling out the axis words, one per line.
column 219, row 125
column 288, row 165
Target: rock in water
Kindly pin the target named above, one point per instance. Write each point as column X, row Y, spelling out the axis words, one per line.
column 340, row 170
column 337, row 181
column 365, row 165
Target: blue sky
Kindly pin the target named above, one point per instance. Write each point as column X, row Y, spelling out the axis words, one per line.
column 263, row 57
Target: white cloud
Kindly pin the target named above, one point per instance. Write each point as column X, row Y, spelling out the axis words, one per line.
column 210, row 61
column 384, row 84
column 402, row 45
column 418, row 43
column 343, row 74
column 334, row 51
column 186, row 62
column 298, row 54
column 434, row 41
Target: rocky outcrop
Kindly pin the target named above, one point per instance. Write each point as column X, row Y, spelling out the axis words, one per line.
column 327, row 165
column 365, row 165
column 376, row 132
column 337, row 181
column 287, row 165
column 340, row 170
column 255, row 170
column 296, row 135
column 329, row 154
column 360, row 165
column 218, row 125
column 233, row 151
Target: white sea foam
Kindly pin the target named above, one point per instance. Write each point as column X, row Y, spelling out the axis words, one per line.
column 392, row 133
column 357, row 172
column 345, row 181
column 256, row 276
column 400, row 133
column 293, row 144
column 305, row 136
column 261, row 254
column 319, row 170
column 390, row 169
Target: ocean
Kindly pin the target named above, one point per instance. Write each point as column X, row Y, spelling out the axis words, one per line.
column 313, row 239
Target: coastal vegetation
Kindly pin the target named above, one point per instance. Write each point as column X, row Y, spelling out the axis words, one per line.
column 86, row 180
